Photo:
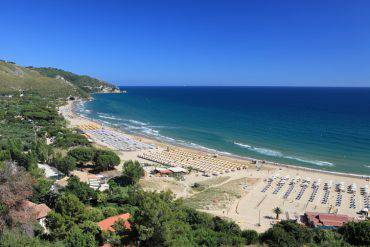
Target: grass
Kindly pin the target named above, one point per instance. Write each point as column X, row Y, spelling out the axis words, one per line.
column 209, row 183
column 217, row 197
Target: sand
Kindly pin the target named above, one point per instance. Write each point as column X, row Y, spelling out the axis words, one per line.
column 239, row 195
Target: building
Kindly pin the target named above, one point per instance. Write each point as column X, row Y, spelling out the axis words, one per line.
column 326, row 221
column 177, row 169
column 107, row 224
column 96, row 182
column 170, row 170
column 50, row 172
column 38, row 211
column 162, row 171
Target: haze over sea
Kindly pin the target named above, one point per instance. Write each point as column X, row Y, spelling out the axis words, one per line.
column 323, row 128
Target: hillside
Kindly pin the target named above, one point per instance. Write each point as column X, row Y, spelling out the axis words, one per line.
column 15, row 78
column 86, row 83
column 49, row 81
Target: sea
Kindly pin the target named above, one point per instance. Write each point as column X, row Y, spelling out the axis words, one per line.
column 322, row 128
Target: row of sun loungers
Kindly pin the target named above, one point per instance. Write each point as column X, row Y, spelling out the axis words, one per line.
column 340, row 188
column 116, row 140
column 203, row 163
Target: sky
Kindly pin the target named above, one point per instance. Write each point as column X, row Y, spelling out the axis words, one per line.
column 194, row 42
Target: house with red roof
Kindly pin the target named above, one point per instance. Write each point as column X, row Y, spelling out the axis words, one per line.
column 107, row 224
column 326, row 221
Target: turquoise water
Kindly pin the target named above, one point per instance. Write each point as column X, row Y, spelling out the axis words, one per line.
column 323, row 128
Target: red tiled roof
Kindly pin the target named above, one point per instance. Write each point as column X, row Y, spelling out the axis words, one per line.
column 319, row 219
column 106, row 225
column 165, row 172
column 333, row 217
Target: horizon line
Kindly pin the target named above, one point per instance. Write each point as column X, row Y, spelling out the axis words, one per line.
column 282, row 86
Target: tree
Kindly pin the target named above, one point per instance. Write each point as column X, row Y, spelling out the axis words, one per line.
column 79, row 189
column 42, row 151
column 77, row 238
column 250, row 237
column 131, row 173
column 64, row 164
column 41, row 190
column 82, row 154
column 57, row 225
column 11, row 238
column 278, row 237
column 356, row 233
column 277, row 211
column 68, row 205
column 106, row 160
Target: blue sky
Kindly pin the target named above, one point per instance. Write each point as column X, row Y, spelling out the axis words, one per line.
column 298, row 43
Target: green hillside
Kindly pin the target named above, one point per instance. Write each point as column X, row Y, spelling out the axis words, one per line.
column 15, row 78
column 86, row 83
column 49, row 81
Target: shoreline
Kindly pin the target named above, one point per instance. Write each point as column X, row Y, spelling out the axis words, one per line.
column 238, row 189
column 209, row 152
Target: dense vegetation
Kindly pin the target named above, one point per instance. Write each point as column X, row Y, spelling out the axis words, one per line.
column 86, row 83
column 32, row 132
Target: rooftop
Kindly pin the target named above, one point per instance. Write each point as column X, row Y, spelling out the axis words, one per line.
column 106, row 225
column 325, row 219
column 39, row 210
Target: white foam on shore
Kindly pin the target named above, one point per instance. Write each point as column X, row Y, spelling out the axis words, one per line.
column 275, row 153
column 137, row 122
column 108, row 117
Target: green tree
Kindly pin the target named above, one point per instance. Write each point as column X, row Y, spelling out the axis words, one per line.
column 77, row 238
column 131, row 173
column 41, row 190
column 250, row 237
column 277, row 211
column 42, row 150
column 278, row 237
column 57, row 225
column 356, row 233
column 80, row 189
column 64, row 164
column 13, row 238
column 68, row 205
column 82, row 154
column 106, row 160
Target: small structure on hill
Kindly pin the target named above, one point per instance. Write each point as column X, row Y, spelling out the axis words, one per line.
column 96, row 182
column 170, row 170
column 162, row 171
column 50, row 172
column 37, row 211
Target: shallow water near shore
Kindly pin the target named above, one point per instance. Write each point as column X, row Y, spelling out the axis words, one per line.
column 322, row 128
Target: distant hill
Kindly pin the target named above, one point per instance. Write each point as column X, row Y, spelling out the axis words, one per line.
column 48, row 81
column 86, row 83
column 15, row 78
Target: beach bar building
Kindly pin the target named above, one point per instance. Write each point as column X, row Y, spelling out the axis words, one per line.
column 326, row 221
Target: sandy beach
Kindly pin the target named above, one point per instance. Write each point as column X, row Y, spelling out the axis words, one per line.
column 238, row 188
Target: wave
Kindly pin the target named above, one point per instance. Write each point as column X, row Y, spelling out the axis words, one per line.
column 137, row 122
column 278, row 154
column 108, row 117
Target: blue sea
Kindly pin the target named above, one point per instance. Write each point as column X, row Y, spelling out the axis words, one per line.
column 322, row 128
